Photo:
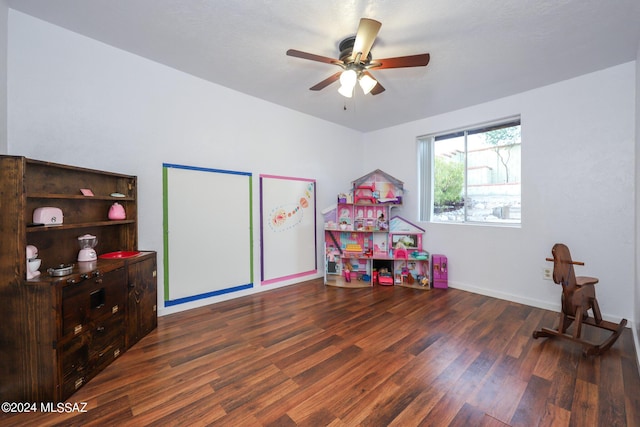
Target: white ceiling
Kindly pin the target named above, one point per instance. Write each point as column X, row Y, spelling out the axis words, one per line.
column 480, row 50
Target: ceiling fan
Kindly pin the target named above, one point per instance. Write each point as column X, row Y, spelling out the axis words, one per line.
column 356, row 61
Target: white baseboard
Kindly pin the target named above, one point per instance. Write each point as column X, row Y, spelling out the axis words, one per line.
column 526, row 301
column 546, row 306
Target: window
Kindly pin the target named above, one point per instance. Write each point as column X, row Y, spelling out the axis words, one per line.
column 472, row 175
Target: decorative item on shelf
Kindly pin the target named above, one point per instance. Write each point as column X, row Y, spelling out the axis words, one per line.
column 87, row 244
column 60, row 270
column 119, row 254
column 116, row 212
column 33, row 262
column 48, row 215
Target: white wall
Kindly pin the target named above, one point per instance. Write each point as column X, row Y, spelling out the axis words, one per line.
column 76, row 101
column 4, row 16
column 637, row 196
column 577, row 188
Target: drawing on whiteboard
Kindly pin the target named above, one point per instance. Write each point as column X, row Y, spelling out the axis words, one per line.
column 286, row 217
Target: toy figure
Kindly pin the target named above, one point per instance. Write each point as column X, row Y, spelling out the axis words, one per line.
column 382, row 222
column 348, row 268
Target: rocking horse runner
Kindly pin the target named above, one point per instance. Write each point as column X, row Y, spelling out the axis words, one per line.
column 578, row 296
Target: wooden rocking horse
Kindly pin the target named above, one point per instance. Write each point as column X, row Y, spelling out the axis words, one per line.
column 578, row 296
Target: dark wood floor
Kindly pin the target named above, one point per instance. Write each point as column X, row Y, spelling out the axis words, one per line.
column 310, row 355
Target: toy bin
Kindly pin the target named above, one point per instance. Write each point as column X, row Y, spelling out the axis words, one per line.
column 440, row 274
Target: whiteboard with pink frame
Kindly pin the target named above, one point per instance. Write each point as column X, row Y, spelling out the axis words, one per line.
column 287, row 228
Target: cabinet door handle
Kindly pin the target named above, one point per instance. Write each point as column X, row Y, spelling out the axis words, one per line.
column 100, row 329
column 132, row 285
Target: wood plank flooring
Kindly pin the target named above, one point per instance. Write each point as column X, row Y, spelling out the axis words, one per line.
column 310, row 355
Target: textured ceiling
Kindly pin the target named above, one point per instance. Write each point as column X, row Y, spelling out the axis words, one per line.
column 480, row 50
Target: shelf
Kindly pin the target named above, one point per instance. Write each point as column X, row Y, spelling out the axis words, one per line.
column 422, row 288
column 339, row 282
column 347, row 255
column 356, row 231
column 108, row 304
column 78, row 225
column 77, row 197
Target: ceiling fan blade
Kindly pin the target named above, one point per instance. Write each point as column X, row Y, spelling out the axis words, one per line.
column 326, row 82
column 402, row 62
column 312, row 57
column 378, row 88
column 366, row 35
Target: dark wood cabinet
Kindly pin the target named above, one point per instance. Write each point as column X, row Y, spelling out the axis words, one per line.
column 142, row 299
column 58, row 332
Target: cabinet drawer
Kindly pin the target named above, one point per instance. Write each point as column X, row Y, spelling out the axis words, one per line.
column 88, row 353
column 106, row 335
column 92, row 299
column 71, row 384
column 100, row 359
column 75, row 357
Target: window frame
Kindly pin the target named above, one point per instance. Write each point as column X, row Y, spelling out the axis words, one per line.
column 426, row 169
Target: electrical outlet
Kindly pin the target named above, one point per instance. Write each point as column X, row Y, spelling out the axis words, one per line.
column 547, row 273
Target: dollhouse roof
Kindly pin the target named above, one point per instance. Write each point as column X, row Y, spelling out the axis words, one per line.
column 330, row 209
column 378, row 176
column 397, row 224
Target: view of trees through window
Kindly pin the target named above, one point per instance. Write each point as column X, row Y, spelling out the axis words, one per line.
column 476, row 175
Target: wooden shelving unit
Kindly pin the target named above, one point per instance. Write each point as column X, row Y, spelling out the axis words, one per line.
column 59, row 332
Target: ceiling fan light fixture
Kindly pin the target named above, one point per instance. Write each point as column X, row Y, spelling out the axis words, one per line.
column 346, row 91
column 367, row 83
column 355, row 60
column 348, row 78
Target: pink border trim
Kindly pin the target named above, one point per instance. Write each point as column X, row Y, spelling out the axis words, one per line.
column 290, row 178
column 292, row 276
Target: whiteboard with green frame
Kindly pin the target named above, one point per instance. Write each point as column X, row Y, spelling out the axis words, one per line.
column 208, row 236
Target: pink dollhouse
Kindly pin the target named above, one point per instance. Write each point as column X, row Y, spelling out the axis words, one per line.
column 367, row 246
column 377, row 187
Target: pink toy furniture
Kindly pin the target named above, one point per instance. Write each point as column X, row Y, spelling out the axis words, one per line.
column 400, row 253
column 440, row 274
column 365, row 192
